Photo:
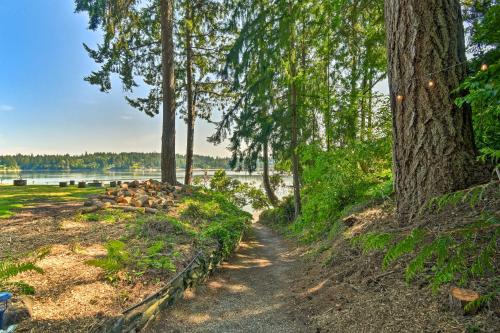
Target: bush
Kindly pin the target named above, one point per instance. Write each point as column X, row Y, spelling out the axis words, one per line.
column 339, row 178
column 239, row 193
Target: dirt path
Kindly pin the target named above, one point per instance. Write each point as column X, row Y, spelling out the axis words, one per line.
column 251, row 293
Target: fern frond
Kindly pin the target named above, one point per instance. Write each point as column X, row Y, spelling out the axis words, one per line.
column 406, row 246
column 10, row 269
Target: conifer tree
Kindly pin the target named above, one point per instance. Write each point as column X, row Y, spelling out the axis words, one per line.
column 434, row 150
column 138, row 43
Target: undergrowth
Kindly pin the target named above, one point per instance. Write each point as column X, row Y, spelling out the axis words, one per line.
column 456, row 254
column 204, row 219
column 333, row 183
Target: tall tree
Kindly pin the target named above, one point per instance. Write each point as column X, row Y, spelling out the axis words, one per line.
column 202, row 42
column 168, row 173
column 190, row 106
column 433, row 143
column 138, row 43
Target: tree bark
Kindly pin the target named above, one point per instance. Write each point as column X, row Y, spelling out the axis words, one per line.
column 433, row 149
column 294, row 116
column 168, row 88
column 191, row 115
column 273, row 199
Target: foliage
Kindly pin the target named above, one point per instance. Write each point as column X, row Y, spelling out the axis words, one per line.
column 403, row 247
column 108, row 215
column 104, row 161
column 225, row 221
column 280, row 216
column 9, row 270
column 339, row 178
column 455, row 255
column 154, row 258
column 155, row 242
column 481, row 90
column 241, row 194
column 483, row 94
column 372, row 241
column 116, row 258
column 470, row 196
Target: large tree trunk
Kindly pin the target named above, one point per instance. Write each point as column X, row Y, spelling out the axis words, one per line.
column 294, row 116
column 433, row 142
column 191, row 116
column 168, row 87
column 265, row 177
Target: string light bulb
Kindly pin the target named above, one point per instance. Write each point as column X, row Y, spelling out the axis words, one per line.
column 484, row 67
column 431, row 83
column 399, row 98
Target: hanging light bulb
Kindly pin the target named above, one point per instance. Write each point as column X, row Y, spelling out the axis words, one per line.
column 431, row 83
column 484, row 67
column 399, row 98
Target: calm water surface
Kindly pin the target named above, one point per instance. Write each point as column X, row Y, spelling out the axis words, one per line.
column 54, row 177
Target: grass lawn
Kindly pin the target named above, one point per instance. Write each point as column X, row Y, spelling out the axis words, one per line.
column 15, row 197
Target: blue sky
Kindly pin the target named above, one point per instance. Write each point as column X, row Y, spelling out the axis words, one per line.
column 46, row 107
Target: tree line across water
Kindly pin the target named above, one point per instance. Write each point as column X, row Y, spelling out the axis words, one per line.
column 104, row 161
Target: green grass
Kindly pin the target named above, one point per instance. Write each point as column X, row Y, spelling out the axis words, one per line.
column 16, row 197
column 108, row 215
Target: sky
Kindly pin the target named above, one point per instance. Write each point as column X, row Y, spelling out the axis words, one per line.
column 45, row 105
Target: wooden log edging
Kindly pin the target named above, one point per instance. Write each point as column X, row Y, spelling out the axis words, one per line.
column 138, row 316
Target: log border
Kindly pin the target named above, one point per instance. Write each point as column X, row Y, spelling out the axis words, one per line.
column 137, row 317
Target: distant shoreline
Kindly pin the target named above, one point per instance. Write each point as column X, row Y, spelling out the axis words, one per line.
column 106, row 170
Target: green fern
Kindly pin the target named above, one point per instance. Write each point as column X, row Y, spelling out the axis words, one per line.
column 115, row 259
column 451, row 256
column 9, row 270
column 416, row 266
column 471, row 196
column 406, row 246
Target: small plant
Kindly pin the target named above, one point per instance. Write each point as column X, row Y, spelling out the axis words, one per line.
column 406, row 246
column 154, row 257
column 450, row 256
column 9, row 270
column 115, row 259
column 372, row 241
column 471, row 196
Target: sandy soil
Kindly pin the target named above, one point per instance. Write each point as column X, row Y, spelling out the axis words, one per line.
column 251, row 293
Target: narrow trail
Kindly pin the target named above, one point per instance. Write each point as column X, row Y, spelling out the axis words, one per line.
column 250, row 293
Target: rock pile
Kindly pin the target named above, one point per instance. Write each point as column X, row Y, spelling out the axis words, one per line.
column 148, row 196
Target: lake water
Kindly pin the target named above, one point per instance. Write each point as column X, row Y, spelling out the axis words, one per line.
column 54, row 177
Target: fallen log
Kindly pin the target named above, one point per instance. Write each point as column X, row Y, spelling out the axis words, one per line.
column 124, row 200
column 89, row 209
column 140, row 201
column 136, row 209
